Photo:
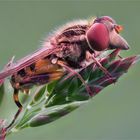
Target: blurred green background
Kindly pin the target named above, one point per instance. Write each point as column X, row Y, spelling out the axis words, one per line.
column 113, row 114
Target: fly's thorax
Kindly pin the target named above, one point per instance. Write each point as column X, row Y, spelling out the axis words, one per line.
column 73, row 45
column 73, row 53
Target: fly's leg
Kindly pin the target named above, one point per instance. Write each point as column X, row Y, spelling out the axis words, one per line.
column 16, row 99
column 61, row 63
column 101, row 67
column 120, row 57
column 92, row 56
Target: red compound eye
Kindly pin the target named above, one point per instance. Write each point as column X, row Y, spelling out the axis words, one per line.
column 98, row 37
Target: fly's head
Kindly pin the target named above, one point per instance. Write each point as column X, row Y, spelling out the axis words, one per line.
column 104, row 35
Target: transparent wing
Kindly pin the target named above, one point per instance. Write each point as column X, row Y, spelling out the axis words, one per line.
column 28, row 60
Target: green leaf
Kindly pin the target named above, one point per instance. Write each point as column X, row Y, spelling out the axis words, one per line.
column 38, row 95
column 2, row 90
column 58, row 98
column 47, row 116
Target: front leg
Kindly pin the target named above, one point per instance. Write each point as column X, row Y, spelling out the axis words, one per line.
column 90, row 56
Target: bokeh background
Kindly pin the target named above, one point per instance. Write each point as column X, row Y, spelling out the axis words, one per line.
column 114, row 114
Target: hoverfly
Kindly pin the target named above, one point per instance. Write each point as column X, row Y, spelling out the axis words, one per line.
column 63, row 52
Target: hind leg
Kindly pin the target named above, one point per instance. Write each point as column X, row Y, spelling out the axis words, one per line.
column 16, row 99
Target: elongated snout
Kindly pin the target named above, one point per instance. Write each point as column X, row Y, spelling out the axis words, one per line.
column 117, row 41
